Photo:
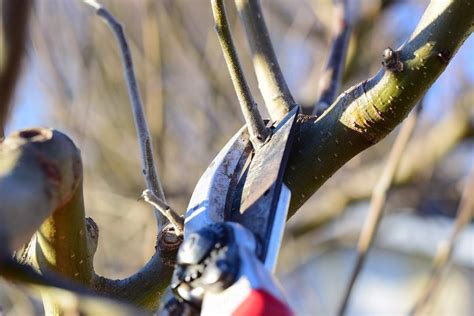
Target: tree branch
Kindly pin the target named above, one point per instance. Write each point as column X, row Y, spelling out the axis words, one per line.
column 15, row 16
column 15, row 271
column 258, row 132
column 41, row 186
column 422, row 153
column 331, row 77
column 145, row 287
column 367, row 112
column 175, row 220
column 272, row 84
column 149, row 169
column 40, row 173
column 445, row 250
column 41, row 182
column 190, row 44
column 377, row 203
column 62, row 242
column 68, row 297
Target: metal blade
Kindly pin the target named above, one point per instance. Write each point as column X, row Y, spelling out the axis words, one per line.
column 208, row 202
column 278, row 228
column 257, row 206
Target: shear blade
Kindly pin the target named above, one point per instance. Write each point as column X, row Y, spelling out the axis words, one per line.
column 209, row 199
column 261, row 205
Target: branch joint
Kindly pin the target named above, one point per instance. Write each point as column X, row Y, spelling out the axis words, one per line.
column 391, row 60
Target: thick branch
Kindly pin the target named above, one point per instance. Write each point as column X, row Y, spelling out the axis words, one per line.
column 70, row 298
column 145, row 287
column 258, row 132
column 271, row 82
column 40, row 173
column 61, row 241
column 42, row 185
column 41, row 182
column 367, row 112
column 331, row 77
column 422, row 154
column 14, row 271
column 42, row 179
column 15, row 15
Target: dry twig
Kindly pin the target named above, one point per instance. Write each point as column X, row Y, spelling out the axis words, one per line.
column 173, row 217
column 149, row 169
column 144, row 287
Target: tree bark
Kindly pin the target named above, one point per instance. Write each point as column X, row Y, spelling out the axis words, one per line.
column 368, row 111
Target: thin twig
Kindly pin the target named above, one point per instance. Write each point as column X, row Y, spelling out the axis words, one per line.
column 258, row 132
column 145, row 286
column 377, row 203
column 445, row 250
column 173, row 217
column 149, row 169
column 272, row 84
column 200, row 56
column 331, row 77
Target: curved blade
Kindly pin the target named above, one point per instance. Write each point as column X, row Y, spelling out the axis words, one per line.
column 208, row 202
column 262, row 206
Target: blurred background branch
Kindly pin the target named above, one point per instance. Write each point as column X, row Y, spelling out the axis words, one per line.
column 15, row 17
column 445, row 249
column 330, row 81
column 378, row 201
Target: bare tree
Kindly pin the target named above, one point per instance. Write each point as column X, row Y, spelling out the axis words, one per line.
column 41, row 172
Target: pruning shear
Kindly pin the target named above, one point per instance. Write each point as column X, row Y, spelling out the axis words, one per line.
column 233, row 230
